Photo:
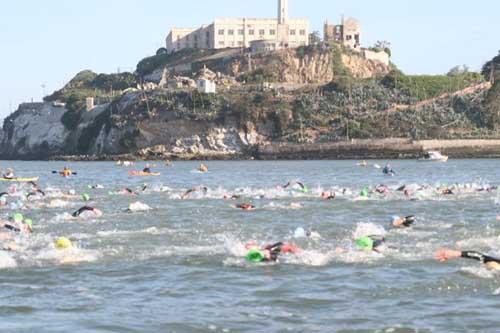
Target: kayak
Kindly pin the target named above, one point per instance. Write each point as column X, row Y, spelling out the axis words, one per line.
column 142, row 173
column 20, row 180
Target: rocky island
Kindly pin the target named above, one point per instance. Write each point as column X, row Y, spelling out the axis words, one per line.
column 328, row 99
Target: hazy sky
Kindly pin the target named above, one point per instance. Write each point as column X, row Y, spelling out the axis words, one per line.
column 48, row 42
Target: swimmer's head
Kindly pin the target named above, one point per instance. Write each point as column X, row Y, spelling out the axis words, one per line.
column 85, row 197
column 255, row 255
column 365, row 243
column 395, row 219
column 364, row 192
column 299, row 233
column 18, row 217
column 63, row 243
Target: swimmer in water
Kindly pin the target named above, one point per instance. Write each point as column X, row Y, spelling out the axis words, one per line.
column 3, row 198
column 447, row 254
column 85, row 211
column 147, row 169
column 446, row 191
column 388, row 170
column 127, row 191
column 403, row 222
column 18, row 224
column 203, row 168
column 328, row 195
column 269, row 253
column 232, row 197
column 9, row 174
column 371, row 243
column 382, row 189
column 186, row 194
column 290, row 184
column 245, row 206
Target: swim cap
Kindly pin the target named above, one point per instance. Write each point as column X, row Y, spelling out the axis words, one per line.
column 365, row 243
column 63, row 243
column 255, row 255
column 305, row 189
column 29, row 223
column 364, row 192
column 395, row 218
column 299, row 233
column 85, row 197
column 18, row 217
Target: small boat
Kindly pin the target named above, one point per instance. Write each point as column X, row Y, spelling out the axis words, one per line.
column 433, row 156
column 19, row 180
column 142, row 173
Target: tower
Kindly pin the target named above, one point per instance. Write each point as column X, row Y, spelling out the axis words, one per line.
column 282, row 11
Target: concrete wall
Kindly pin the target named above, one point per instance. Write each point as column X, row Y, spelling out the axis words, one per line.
column 376, row 56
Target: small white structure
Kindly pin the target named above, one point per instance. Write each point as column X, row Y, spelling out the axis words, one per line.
column 89, row 101
column 206, row 86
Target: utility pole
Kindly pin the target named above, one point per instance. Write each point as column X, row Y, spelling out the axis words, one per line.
column 492, row 72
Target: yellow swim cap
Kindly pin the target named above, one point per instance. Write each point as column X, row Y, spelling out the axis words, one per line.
column 63, row 243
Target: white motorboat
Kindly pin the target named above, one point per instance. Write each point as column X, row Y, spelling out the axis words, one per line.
column 433, row 156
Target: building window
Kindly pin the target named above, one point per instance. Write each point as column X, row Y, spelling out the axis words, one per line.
column 240, row 43
column 262, row 32
column 292, row 32
column 241, row 32
column 302, row 32
column 272, row 32
column 208, row 34
column 230, row 32
column 221, row 32
column 232, row 44
column 251, row 32
column 195, row 38
column 348, row 37
column 221, row 43
column 187, row 38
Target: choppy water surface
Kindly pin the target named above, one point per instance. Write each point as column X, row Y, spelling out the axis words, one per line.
column 180, row 266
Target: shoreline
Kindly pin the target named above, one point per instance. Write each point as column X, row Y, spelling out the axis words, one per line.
column 345, row 150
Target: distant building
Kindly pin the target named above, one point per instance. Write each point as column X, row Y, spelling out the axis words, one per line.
column 240, row 32
column 347, row 33
column 206, row 86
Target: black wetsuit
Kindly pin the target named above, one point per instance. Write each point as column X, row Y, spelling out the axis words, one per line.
column 11, row 228
column 81, row 210
column 479, row 257
column 275, row 250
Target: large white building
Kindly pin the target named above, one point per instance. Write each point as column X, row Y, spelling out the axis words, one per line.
column 240, row 32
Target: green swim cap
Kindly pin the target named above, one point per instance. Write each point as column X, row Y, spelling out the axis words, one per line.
column 29, row 223
column 18, row 217
column 255, row 255
column 365, row 243
column 364, row 192
column 85, row 197
column 305, row 189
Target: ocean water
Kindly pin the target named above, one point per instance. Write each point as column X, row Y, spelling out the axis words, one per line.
column 180, row 266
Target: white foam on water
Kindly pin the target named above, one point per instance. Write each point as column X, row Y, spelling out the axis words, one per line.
column 480, row 272
column 6, row 260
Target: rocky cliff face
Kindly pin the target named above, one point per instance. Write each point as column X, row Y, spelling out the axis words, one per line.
column 35, row 130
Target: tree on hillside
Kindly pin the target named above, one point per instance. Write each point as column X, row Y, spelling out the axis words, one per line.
column 383, row 45
column 491, row 70
column 458, row 70
column 315, row 38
